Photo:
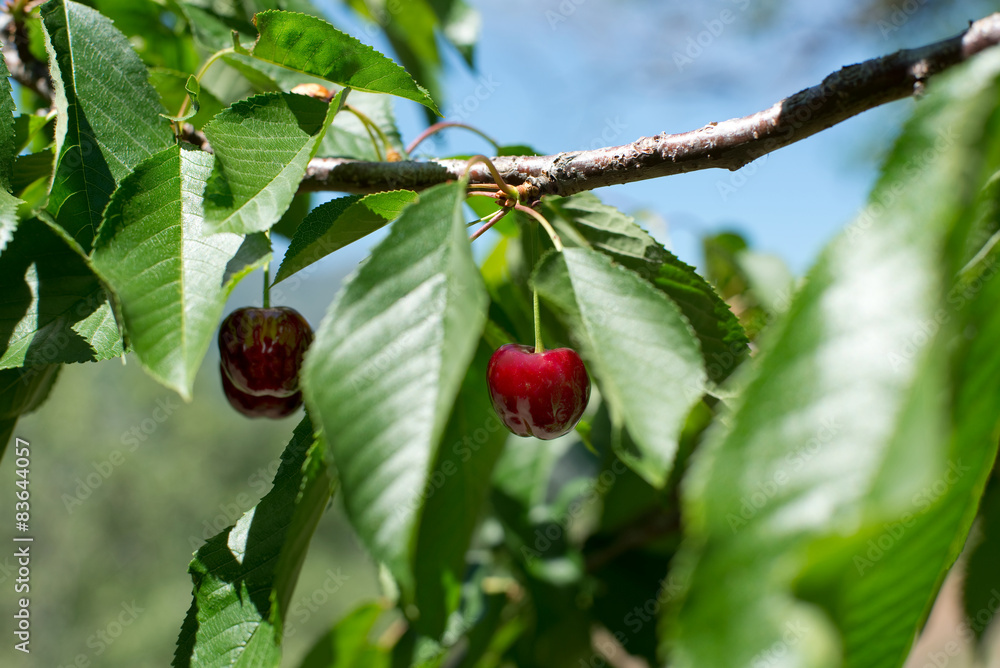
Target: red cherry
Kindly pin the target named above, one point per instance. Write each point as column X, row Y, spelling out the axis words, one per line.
column 538, row 394
column 264, row 405
column 262, row 348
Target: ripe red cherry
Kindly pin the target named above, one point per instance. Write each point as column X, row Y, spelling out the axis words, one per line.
column 538, row 394
column 261, row 351
column 265, row 405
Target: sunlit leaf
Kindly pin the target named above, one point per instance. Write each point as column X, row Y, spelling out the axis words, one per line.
column 22, row 391
column 53, row 307
column 108, row 114
column 166, row 270
column 585, row 221
column 455, row 495
column 339, row 222
column 313, row 46
column 244, row 576
column 8, row 149
column 348, row 136
column 637, row 345
column 150, row 33
column 262, row 146
column 382, row 376
column 346, row 645
column 849, row 471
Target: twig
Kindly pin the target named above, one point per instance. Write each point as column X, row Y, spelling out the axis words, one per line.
column 437, row 127
column 489, row 223
column 727, row 145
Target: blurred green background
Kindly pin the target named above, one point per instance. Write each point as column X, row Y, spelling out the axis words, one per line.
column 126, row 483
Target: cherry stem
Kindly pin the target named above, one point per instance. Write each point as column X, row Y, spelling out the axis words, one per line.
column 508, row 190
column 492, row 196
column 437, row 127
column 369, row 126
column 267, row 277
column 267, row 282
column 556, row 241
column 539, row 346
column 490, row 223
column 201, row 73
column 481, row 219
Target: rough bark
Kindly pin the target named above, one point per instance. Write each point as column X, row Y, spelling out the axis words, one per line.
column 726, row 145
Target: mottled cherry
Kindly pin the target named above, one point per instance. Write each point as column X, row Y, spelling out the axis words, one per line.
column 265, row 405
column 538, row 394
column 261, row 352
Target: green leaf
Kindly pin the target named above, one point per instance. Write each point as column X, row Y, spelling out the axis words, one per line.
column 53, row 309
column 461, row 25
column 412, row 29
column 108, row 115
column 8, row 217
column 193, row 90
column 301, row 6
column 150, row 31
column 348, row 137
column 27, row 128
column 339, row 222
column 262, row 147
column 773, row 283
column 506, row 271
column 382, row 376
column 22, row 391
column 639, row 348
column 8, row 150
column 294, row 215
column 265, row 76
column 346, row 645
column 313, row 46
column 166, row 270
column 409, row 28
column 981, row 585
column 244, row 576
column 31, row 167
column 533, row 487
column 760, row 282
column 212, row 31
column 455, row 495
column 721, row 268
column 524, row 471
column 8, row 147
column 848, row 473
column 584, row 221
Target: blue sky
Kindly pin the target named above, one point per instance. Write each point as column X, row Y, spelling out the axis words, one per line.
column 607, row 73
column 580, row 73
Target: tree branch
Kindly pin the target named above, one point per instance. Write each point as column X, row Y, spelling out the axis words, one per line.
column 727, row 145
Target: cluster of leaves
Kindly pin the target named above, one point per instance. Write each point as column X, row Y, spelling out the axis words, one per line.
column 711, row 508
